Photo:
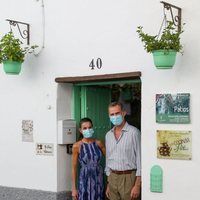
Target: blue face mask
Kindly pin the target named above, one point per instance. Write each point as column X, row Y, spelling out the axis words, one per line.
column 116, row 119
column 88, row 133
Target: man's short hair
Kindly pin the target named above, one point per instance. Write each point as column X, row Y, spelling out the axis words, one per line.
column 116, row 103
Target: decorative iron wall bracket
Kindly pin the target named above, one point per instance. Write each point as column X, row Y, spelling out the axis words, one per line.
column 175, row 19
column 25, row 34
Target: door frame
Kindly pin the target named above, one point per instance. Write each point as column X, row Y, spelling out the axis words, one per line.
column 95, row 78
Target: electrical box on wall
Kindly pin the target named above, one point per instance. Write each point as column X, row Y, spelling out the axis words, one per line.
column 66, row 131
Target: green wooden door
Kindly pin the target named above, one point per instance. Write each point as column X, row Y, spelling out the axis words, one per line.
column 92, row 102
column 94, row 105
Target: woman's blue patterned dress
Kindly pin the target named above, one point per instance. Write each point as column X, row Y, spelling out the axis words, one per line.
column 91, row 173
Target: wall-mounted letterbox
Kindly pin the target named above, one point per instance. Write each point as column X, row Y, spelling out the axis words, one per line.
column 66, row 131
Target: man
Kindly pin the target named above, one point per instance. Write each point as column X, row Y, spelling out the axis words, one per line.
column 123, row 157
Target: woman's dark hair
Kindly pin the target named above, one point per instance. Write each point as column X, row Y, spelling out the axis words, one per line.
column 85, row 119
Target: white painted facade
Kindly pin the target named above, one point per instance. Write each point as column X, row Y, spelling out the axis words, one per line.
column 76, row 32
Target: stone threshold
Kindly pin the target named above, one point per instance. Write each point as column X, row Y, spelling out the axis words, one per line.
column 11, row 193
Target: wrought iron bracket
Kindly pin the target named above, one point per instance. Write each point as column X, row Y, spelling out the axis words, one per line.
column 176, row 19
column 25, row 34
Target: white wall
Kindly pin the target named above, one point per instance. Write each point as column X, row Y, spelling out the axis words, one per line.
column 76, row 32
column 64, row 111
column 179, row 176
column 29, row 96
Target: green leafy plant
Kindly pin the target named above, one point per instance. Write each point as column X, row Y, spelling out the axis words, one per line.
column 168, row 40
column 11, row 49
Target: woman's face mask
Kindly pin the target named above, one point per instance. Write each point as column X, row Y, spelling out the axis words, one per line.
column 116, row 119
column 88, row 133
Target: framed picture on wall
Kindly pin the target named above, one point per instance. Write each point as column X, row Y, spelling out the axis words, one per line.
column 173, row 144
column 173, row 108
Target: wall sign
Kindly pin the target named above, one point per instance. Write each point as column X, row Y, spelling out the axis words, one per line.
column 44, row 149
column 173, row 109
column 27, row 130
column 174, row 144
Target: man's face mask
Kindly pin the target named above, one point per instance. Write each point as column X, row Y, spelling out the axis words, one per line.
column 116, row 119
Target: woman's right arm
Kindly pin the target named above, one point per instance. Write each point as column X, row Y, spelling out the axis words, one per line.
column 75, row 152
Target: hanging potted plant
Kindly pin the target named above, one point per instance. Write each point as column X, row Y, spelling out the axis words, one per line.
column 163, row 47
column 12, row 53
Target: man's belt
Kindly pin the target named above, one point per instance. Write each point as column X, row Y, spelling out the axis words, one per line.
column 123, row 172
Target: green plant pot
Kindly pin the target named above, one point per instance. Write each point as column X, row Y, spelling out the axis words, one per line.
column 164, row 59
column 12, row 67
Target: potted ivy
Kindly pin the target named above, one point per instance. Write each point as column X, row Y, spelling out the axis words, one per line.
column 163, row 47
column 12, row 53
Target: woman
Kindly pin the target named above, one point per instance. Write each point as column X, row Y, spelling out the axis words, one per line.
column 88, row 151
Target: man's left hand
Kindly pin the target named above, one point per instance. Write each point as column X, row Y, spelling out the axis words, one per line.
column 135, row 192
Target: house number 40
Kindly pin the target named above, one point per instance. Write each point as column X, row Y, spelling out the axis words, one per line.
column 96, row 64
